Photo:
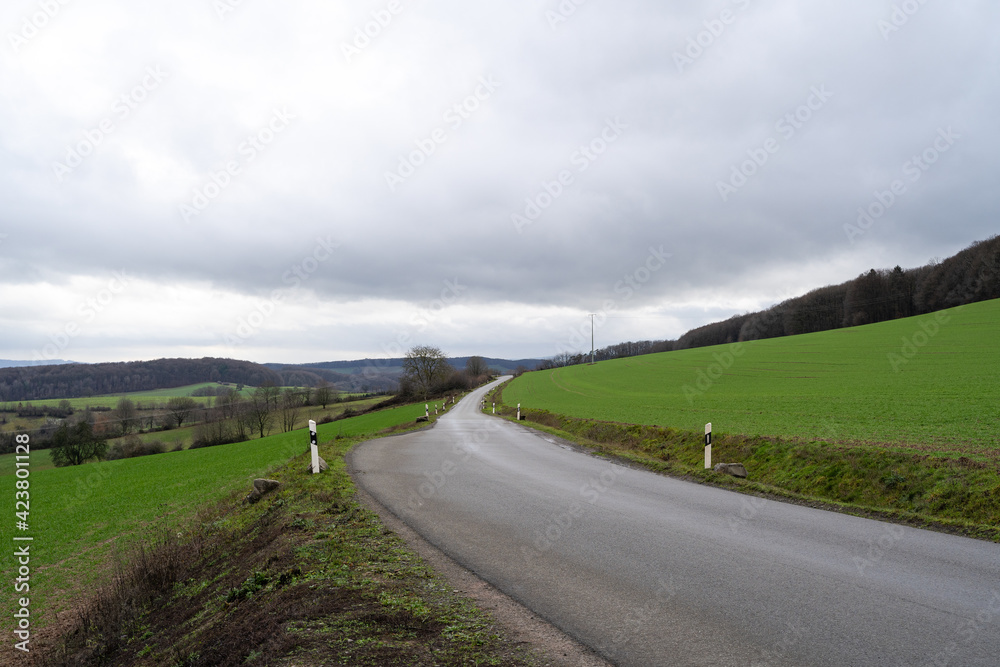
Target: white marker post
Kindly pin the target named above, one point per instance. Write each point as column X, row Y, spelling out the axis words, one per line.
column 708, row 445
column 427, row 410
column 494, row 408
column 313, row 446
column 518, row 412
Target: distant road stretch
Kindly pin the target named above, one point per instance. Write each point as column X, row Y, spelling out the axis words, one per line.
column 649, row 570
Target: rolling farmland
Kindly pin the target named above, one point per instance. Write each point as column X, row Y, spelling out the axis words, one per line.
column 79, row 513
column 925, row 382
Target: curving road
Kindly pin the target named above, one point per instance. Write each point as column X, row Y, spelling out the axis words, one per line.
column 649, row 570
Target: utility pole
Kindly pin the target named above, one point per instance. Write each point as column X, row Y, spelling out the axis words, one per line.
column 592, row 316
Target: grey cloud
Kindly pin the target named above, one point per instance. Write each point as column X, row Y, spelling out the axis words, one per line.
column 658, row 183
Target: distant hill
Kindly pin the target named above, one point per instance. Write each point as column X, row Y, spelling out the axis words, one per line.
column 14, row 363
column 73, row 380
column 358, row 365
column 971, row 276
column 372, row 375
column 29, row 383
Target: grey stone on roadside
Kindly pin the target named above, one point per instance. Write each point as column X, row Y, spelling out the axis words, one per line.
column 734, row 469
column 322, row 465
column 262, row 487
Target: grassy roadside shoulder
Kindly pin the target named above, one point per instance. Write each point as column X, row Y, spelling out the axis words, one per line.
column 937, row 491
column 306, row 576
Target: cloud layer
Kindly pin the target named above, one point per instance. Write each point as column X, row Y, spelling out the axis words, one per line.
column 310, row 181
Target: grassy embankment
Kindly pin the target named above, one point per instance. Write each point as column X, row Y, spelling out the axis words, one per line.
column 901, row 418
column 306, row 576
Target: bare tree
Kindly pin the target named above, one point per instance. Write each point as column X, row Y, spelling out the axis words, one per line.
column 291, row 404
column 180, row 408
column 126, row 414
column 242, row 420
column 324, row 394
column 228, row 402
column 263, row 403
column 424, row 367
column 73, row 446
column 476, row 367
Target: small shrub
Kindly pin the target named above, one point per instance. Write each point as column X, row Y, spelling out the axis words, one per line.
column 347, row 414
column 252, row 585
column 892, row 480
column 131, row 446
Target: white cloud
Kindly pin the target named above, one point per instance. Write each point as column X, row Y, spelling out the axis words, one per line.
column 779, row 235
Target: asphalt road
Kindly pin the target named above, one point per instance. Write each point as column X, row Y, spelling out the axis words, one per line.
column 649, row 570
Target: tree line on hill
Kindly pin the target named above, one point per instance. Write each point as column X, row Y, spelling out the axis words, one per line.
column 372, row 381
column 970, row 276
column 875, row 296
column 616, row 351
column 30, row 383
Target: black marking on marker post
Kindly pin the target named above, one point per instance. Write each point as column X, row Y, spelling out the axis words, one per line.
column 708, row 445
column 313, row 448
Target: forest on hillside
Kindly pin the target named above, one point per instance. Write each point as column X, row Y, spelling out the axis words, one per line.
column 877, row 295
column 30, row 383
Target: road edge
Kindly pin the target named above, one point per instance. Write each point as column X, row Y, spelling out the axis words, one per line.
column 521, row 625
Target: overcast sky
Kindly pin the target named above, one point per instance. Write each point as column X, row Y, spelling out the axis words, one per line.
column 306, row 181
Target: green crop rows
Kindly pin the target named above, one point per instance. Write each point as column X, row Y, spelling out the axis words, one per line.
column 926, row 382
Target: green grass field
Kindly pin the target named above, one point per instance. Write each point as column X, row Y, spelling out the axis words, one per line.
column 918, row 382
column 155, row 396
column 40, row 460
column 77, row 514
column 159, row 397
